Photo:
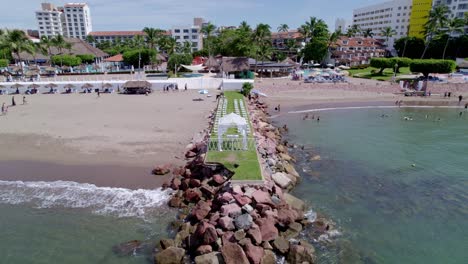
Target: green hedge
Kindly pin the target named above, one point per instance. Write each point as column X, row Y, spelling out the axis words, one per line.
column 132, row 57
column 3, row 63
column 384, row 63
column 432, row 66
column 67, row 60
column 86, row 58
column 178, row 59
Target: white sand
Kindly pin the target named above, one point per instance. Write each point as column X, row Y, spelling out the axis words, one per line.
column 113, row 129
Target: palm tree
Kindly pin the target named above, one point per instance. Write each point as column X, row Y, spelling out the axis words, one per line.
column 261, row 37
column 314, row 28
column 283, row 28
column 387, row 32
column 47, row 43
column 353, row 31
column 17, row 42
column 244, row 26
column 208, row 30
column 152, row 36
column 437, row 19
column 367, row 33
column 185, row 48
column 332, row 38
column 60, row 43
column 291, row 45
column 168, row 44
column 453, row 26
column 91, row 40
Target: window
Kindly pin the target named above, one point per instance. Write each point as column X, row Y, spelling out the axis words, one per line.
column 186, row 31
column 186, row 37
column 177, row 30
column 177, row 37
column 194, row 30
column 194, row 37
column 345, row 42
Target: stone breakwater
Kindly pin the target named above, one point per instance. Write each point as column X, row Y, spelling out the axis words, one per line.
column 223, row 222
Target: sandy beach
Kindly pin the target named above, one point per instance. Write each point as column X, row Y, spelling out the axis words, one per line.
column 110, row 131
column 294, row 95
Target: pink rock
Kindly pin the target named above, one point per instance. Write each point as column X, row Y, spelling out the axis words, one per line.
column 226, row 198
column 193, row 195
column 228, row 237
column 255, row 234
column 218, row 179
column 234, row 254
column 205, row 249
column 237, row 189
column 201, row 210
column 242, row 200
column 176, row 182
column 194, row 183
column 268, row 229
column 210, row 235
column 287, row 216
column 214, row 217
column 162, row 170
column 262, row 197
column 254, row 253
column 226, row 223
column 231, row 210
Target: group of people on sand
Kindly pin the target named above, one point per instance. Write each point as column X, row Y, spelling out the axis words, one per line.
column 173, row 87
column 307, row 117
column 13, row 103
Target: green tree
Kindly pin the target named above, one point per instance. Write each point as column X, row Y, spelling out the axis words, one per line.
column 17, row 42
column 382, row 64
column 436, row 20
column 283, row 28
column 3, row 63
column 91, row 40
column 387, row 32
column 261, row 38
column 87, row 58
column 367, row 33
column 246, row 88
column 175, row 60
column 332, row 38
column 138, row 57
column 67, row 60
column 208, row 31
column 168, row 44
column 47, row 43
column 38, row 48
column 353, row 31
column 291, row 45
column 314, row 28
column 411, row 47
column 432, row 66
column 315, row 50
column 455, row 25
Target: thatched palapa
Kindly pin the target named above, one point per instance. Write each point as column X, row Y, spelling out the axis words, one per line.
column 137, row 87
column 234, row 64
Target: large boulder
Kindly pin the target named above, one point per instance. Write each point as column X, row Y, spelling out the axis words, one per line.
column 268, row 229
column 244, row 221
column 281, row 245
column 301, row 254
column 287, row 216
column 294, row 202
column 231, row 210
column 211, row 258
column 268, row 257
column 193, row 195
column 210, row 235
column 281, row 180
column 127, row 248
column 204, row 249
column 201, row 210
column 165, row 243
column 226, row 223
column 161, row 170
column 255, row 234
column 254, row 253
column 242, row 200
column 233, row 254
column 261, row 197
column 171, row 255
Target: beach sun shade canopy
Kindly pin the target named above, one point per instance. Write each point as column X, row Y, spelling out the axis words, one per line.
column 198, row 67
column 232, row 120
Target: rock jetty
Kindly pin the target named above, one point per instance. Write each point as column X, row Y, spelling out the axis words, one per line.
column 226, row 222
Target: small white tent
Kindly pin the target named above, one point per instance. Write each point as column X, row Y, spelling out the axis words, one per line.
column 232, row 120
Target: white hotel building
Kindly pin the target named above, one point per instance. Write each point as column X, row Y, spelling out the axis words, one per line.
column 190, row 34
column 73, row 20
column 458, row 8
column 395, row 14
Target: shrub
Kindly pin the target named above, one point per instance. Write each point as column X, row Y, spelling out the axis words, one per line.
column 178, row 59
column 432, row 66
column 3, row 63
column 67, row 60
column 402, row 62
column 382, row 64
column 132, row 57
column 86, row 58
column 246, row 88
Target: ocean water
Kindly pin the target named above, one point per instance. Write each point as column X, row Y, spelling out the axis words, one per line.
column 397, row 189
column 68, row 222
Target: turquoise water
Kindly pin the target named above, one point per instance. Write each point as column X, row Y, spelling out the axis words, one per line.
column 66, row 222
column 396, row 189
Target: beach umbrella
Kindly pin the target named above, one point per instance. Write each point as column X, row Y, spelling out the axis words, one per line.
column 34, row 86
column 107, row 85
column 316, row 64
column 51, row 85
column 32, row 73
column 69, row 86
column 50, row 69
column 330, row 65
column 34, row 68
column 87, row 85
column 16, row 86
column 203, row 92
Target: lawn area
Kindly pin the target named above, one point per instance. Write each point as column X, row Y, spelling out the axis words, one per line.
column 387, row 73
column 244, row 163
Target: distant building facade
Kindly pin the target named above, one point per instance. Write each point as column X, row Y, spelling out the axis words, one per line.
column 395, row 14
column 72, row 20
column 115, row 36
column 458, row 8
column 341, row 25
column 189, row 33
column 280, row 40
column 356, row 51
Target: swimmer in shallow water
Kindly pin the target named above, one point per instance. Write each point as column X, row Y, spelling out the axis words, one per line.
column 407, row 118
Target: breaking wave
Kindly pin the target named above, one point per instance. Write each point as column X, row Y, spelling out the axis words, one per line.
column 119, row 202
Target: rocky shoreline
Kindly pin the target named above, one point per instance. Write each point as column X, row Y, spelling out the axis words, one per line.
column 225, row 222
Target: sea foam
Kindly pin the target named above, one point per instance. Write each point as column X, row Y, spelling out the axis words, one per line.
column 119, row 202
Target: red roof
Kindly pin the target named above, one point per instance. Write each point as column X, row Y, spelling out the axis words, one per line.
column 116, row 33
column 75, row 5
column 116, row 58
column 293, row 34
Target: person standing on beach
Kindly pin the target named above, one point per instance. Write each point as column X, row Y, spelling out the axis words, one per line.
column 3, row 109
column 24, row 100
column 98, row 93
column 460, row 98
column 13, row 103
column 318, row 119
column 185, row 88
